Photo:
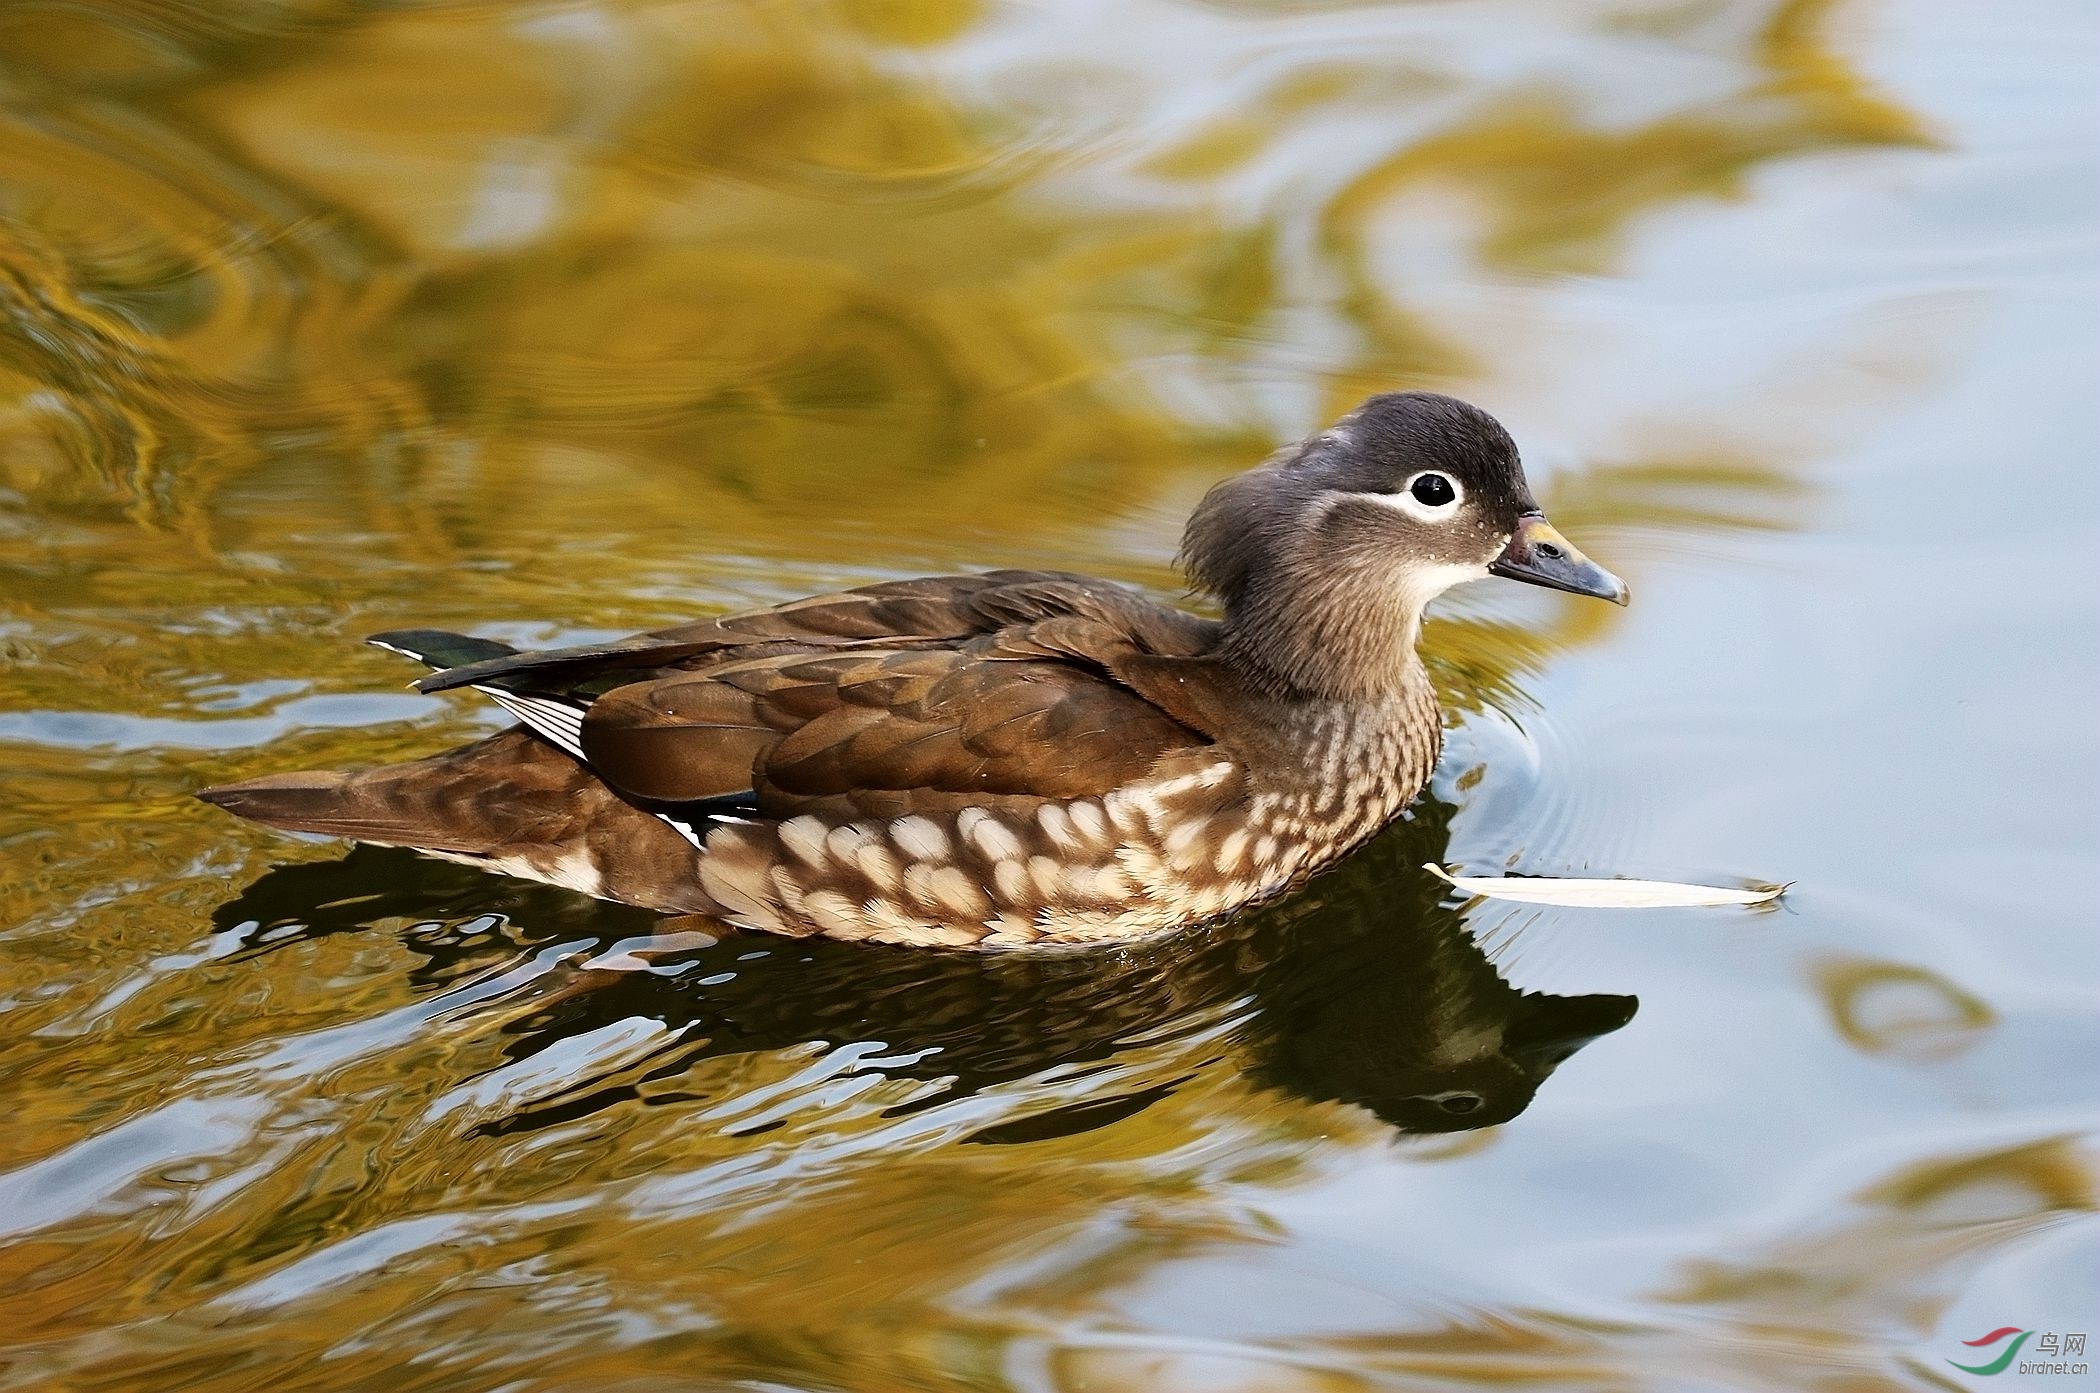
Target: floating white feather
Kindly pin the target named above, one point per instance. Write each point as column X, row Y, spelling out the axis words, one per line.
column 1604, row 894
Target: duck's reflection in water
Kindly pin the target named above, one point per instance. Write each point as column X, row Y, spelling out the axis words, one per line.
column 1364, row 988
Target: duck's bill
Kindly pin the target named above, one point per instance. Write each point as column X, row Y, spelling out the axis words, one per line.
column 1539, row 555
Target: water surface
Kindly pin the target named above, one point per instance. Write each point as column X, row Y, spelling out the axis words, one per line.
column 556, row 321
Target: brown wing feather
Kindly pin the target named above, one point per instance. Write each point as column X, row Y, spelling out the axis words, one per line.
column 1030, row 711
column 1037, row 730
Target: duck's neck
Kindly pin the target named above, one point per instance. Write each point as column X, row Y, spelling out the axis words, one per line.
column 1319, row 645
column 1352, row 725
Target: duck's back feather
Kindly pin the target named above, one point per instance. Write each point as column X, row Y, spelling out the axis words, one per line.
column 926, row 612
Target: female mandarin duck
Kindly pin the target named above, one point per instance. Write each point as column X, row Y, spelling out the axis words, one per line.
column 993, row 760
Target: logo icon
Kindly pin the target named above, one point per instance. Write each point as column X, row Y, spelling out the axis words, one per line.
column 2000, row 1364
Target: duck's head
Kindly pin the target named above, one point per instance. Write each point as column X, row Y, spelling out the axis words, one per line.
column 1325, row 554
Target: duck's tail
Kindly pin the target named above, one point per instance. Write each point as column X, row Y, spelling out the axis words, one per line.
column 511, row 803
column 317, row 801
column 366, row 807
column 391, row 806
column 520, row 802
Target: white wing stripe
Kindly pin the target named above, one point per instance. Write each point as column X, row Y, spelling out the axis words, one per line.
column 556, row 720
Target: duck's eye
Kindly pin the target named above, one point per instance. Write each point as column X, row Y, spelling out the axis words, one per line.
column 1430, row 496
column 1432, row 490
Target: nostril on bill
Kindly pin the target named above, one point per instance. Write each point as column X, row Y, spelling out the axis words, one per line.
column 1549, row 551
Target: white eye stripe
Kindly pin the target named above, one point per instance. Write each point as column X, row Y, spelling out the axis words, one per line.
column 1404, row 501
